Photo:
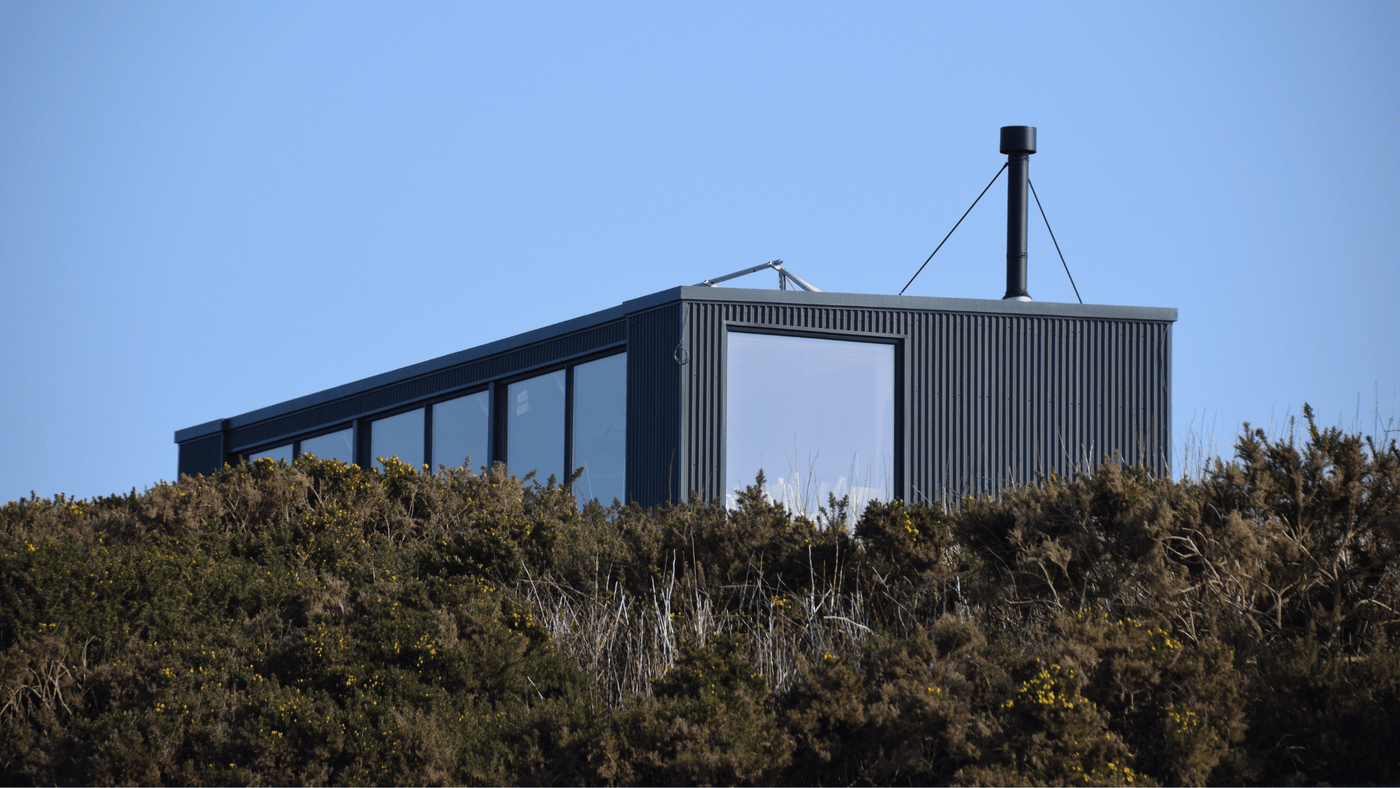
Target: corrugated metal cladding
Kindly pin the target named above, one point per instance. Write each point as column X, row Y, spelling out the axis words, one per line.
column 1000, row 398
column 653, row 418
column 702, row 402
column 994, row 398
column 202, row 455
column 472, row 373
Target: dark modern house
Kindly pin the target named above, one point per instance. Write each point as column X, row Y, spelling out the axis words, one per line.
column 695, row 389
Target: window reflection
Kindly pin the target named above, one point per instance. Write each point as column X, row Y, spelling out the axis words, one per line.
column 398, row 436
column 283, row 453
column 535, row 426
column 462, row 429
column 334, row 446
column 816, row 415
column 600, row 429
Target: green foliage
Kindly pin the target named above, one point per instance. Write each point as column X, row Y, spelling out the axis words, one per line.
column 280, row 624
column 1176, row 705
column 824, row 712
column 730, row 549
column 1054, row 735
column 910, row 569
column 1094, row 542
column 909, row 542
column 1325, row 525
column 921, row 709
column 1321, row 715
column 323, row 623
column 710, row 722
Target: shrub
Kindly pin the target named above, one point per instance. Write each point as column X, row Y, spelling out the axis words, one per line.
column 323, row 623
column 1175, row 704
column 910, row 569
column 710, row 722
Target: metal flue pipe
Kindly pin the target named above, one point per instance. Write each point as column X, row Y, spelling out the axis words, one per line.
column 1018, row 143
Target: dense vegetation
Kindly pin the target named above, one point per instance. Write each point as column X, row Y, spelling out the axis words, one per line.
column 319, row 623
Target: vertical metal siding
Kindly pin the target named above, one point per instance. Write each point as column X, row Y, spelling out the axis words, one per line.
column 702, row 433
column 202, row 455
column 994, row 399
column 653, row 406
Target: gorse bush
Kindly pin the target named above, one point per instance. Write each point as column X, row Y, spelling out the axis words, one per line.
column 710, row 721
column 328, row 624
column 314, row 623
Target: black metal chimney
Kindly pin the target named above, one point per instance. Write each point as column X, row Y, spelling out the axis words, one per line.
column 1018, row 143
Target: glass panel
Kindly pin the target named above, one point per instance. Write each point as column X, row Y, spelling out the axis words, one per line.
column 600, row 429
column 817, row 415
column 398, row 436
column 279, row 453
column 461, row 430
column 335, row 446
column 535, row 426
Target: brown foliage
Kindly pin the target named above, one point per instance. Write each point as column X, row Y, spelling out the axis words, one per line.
column 322, row 623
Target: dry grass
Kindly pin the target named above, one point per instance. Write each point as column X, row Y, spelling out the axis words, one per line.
column 626, row 641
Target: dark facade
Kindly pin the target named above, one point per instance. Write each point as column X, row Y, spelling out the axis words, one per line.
column 980, row 394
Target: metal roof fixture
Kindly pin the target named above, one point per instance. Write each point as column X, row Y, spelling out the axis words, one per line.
column 1018, row 143
column 777, row 265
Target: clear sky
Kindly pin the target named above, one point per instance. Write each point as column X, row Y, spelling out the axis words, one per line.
column 206, row 208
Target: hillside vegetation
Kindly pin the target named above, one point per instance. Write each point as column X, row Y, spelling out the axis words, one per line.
column 326, row 624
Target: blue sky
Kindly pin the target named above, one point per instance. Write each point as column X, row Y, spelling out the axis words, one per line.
column 206, row 208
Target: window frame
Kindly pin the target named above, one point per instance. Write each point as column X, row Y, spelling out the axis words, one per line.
column 902, row 395
column 501, row 407
column 356, row 436
column 430, row 419
column 571, row 394
column 369, row 422
column 497, row 427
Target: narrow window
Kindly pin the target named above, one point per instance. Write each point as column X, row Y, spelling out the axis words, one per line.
column 280, row 453
column 600, row 429
column 462, row 430
column 398, row 436
column 333, row 446
column 535, row 426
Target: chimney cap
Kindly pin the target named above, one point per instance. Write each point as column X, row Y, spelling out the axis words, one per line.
column 1018, row 139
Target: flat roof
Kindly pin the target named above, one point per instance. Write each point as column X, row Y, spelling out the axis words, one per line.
column 688, row 293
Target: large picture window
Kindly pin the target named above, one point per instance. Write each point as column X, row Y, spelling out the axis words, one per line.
column 816, row 415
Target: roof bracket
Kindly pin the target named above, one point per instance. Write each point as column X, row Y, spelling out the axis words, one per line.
column 784, row 276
